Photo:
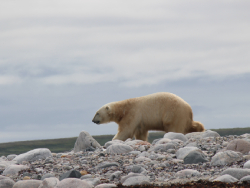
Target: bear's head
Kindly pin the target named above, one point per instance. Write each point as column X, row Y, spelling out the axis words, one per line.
column 103, row 115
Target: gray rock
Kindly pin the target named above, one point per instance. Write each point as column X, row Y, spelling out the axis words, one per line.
column 132, row 142
column 49, row 182
column 119, row 149
column 47, row 176
column 73, row 182
column 115, row 175
column 85, row 142
column 33, row 155
column 183, row 152
column 6, row 182
column 137, row 169
column 70, row 174
column 195, row 157
column 14, row 169
column 239, row 145
column 134, row 179
column 27, row 184
column 156, row 140
column 172, row 136
column 226, row 179
column 247, row 164
column 187, row 173
column 225, row 157
column 245, row 179
column 209, row 133
column 106, row 185
column 107, row 164
column 162, row 147
column 5, row 164
column 236, row 172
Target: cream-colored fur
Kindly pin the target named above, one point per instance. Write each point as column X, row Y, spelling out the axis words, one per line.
column 160, row 111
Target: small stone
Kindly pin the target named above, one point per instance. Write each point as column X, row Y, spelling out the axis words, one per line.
column 187, row 173
column 26, row 178
column 115, row 175
column 107, row 164
column 83, row 172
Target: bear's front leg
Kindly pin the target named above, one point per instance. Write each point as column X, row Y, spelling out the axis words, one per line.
column 122, row 136
column 142, row 135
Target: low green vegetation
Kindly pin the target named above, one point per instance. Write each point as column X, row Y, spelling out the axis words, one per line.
column 67, row 144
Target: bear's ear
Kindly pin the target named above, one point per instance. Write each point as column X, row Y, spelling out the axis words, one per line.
column 107, row 108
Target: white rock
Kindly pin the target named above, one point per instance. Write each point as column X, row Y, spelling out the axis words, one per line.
column 14, row 169
column 33, row 155
column 119, row 149
column 225, row 157
column 74, row 183
column 6, row 182
column 106, row 185
column 142, row 159
column 247, row 164
column 27, row 184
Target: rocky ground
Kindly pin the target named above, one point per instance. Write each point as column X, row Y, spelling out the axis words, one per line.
column 192, row 160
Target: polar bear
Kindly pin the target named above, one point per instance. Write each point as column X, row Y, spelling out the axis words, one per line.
column 159, row 111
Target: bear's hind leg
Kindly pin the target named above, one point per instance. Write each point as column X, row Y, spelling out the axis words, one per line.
column 141, row 135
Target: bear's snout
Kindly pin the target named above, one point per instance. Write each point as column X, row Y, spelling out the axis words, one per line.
column 95, row 121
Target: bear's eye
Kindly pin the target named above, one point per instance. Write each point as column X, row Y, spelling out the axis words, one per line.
column 97, row 114
column 107, row 107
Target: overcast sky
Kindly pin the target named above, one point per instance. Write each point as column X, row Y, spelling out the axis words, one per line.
column 60, row 61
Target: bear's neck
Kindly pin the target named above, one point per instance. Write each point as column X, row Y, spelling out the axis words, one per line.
column 121, row 109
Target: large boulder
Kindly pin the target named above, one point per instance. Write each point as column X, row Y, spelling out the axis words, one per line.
column 33, row 155
column 195, row 157
column 85, row 142
column 49, row 182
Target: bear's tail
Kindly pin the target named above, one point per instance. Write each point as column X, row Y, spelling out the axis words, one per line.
column 197, row 127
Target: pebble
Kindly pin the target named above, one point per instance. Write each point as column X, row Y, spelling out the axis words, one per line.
column 173, row 159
